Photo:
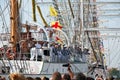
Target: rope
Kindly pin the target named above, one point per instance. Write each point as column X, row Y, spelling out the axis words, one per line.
column 71, row 8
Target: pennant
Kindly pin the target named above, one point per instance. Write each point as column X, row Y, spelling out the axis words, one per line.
column 58, row 40
column 53, row 12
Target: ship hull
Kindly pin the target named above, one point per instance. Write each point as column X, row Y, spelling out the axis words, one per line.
column 37, row 68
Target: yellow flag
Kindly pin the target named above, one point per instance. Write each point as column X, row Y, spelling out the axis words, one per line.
column 53, row 12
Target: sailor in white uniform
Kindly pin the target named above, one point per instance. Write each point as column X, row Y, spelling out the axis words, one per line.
column 37, row 46
column 32, row 53
column 36, row 51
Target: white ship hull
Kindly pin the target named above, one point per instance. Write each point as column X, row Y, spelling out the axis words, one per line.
column 38, row 68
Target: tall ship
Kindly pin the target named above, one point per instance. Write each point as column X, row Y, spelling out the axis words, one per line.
column 69, row 34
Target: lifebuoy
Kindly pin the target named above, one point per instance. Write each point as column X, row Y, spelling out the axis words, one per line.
column 1, row 52
column 10, row 54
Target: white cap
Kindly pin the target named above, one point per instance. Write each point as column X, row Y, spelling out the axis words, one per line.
column 86, row 47
column 65, row 45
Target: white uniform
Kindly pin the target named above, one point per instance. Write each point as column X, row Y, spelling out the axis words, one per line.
column 32, row 53
column 38, row 51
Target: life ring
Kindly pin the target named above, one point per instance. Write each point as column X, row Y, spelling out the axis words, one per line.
column 10, row 54
column 1, row 52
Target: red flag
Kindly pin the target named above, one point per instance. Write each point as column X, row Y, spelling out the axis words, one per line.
column 56, row 25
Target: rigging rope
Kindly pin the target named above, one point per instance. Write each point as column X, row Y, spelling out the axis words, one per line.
column 88, row 34
column 59, row 17
column 4, row 9
column 43, row 19
column 115, row 54
column 71, row 8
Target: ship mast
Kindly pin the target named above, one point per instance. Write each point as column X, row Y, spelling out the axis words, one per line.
column 13, row 22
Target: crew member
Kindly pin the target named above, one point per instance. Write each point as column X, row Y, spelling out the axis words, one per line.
column 10, row 53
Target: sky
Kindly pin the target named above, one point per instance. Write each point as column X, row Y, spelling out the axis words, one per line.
column 111, row 39
column 111, row 44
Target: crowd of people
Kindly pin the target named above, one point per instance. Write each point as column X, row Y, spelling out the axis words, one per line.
column 55, row 76
column 58, row 53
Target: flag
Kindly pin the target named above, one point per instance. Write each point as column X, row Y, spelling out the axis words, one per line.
column 53, row 12
column 58, row 40
column 56, row 25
